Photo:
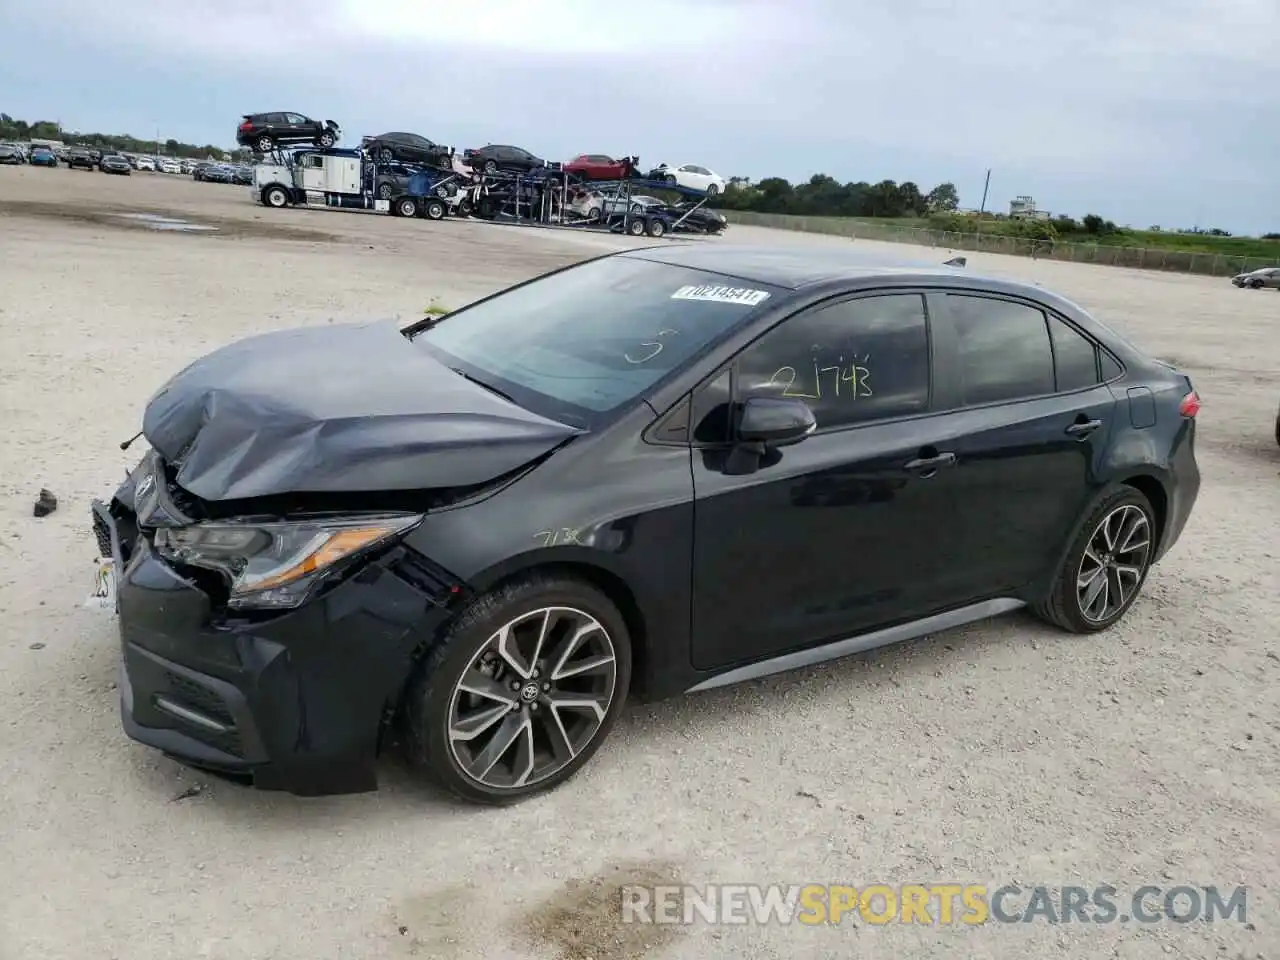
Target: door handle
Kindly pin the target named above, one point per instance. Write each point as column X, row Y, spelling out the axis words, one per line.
column 930, row 465
column 1082, row 428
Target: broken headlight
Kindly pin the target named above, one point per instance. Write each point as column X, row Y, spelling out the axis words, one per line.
column 272, row 566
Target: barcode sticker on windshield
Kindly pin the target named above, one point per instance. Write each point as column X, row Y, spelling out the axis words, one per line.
column 742, row 296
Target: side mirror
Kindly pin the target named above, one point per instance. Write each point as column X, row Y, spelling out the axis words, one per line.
column 775, row 421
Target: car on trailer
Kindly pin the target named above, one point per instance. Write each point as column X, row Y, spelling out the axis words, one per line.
column 495, row 157
column 264, row 132
column 407, row 148
column 599, row 166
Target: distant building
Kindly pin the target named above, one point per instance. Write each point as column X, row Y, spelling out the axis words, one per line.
column 1024, row 208
column 51, row 144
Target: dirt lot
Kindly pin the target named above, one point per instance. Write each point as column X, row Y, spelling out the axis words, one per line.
column 1001, row 753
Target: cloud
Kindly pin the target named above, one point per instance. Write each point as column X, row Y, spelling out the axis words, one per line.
column 1141, row 110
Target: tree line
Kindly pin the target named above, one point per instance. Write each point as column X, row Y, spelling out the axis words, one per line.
column 11, row 129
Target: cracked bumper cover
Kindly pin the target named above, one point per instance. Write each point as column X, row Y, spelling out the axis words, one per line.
column 295, row 702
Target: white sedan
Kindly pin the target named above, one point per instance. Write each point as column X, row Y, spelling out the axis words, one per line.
column 693, row 177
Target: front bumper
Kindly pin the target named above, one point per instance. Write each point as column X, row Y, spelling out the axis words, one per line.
column 295, row 702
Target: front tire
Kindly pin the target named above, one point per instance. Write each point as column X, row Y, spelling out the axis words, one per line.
column 713, row 189
column 275, row 197
column 1106, row 567
column 521, row 691
column 325, row 140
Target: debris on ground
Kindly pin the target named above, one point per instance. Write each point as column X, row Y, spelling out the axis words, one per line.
column 45, row 504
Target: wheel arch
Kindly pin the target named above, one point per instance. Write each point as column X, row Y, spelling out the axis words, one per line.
column 1150, row 481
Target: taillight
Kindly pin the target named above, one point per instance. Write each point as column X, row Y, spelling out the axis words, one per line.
column 1190, row 405
column 246, row 125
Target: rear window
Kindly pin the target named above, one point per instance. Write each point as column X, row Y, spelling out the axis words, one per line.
column 582, row 344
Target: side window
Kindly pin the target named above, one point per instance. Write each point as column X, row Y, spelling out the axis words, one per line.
column 295, row 119
column 853, row 361
column 274, row 118
column 1109, row 365
column 1075, row 358
column 1004, row 349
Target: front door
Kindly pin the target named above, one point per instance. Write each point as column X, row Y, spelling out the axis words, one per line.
column 845, row 531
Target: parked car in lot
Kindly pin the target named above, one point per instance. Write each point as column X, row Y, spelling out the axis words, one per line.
column 80, row 159
column 1257, row 279
column 217, row 173
column 599, row 166
column 263, row 132
column 146, row 163
column 691, row 177
column 198, row 169
column 114, row 163
column 407, row 148
column 499, row 524
column 43, row 157
column 494, row 157
column 11, row 154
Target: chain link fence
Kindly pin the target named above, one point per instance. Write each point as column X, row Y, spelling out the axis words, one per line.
column 1141, row 258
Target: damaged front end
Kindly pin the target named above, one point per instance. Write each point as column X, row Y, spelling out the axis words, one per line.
column 265, row 644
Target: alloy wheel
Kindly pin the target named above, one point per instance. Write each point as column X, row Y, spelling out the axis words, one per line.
column 1114, row 562
column 532, row 698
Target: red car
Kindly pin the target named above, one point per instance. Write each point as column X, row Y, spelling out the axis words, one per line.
column 597, row 166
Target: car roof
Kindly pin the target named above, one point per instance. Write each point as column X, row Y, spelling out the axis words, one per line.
column 796, row 268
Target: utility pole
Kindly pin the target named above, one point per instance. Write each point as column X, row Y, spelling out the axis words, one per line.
column 985, row 187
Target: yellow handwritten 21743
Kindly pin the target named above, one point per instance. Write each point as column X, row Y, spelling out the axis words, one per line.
column 841, row 381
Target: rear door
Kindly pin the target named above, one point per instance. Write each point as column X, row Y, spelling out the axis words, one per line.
column 1031, row 424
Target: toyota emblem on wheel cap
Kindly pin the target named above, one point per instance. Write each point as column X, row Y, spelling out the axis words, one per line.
column 529, row 692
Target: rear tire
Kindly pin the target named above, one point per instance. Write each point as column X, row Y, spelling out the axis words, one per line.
column 1111, row 554
column 657, row 228
column 490, row 166
column 636, row 227
column 435, row 210
column 407, row 207
column 264, row 144
column 434, row 700
column 325, row 140
column 385, row 191
column 713, row 189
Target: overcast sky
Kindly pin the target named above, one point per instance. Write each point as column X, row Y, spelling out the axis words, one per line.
column 1144, row 111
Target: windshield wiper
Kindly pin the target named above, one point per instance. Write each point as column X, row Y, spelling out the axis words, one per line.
column 478, row 382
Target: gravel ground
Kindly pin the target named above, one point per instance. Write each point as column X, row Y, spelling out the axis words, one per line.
column 999, row 753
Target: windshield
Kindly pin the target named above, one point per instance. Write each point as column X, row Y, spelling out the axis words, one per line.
column 579, row 345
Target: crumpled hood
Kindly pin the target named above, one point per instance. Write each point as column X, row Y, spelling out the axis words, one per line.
column 338, row 408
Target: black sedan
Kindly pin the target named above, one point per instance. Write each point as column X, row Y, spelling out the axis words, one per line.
column 499, row 524
column 113, row 163
column 494, row 157
column 694, row 217
column 407, row 148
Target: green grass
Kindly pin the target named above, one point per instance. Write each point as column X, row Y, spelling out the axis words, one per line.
column 435, row 308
